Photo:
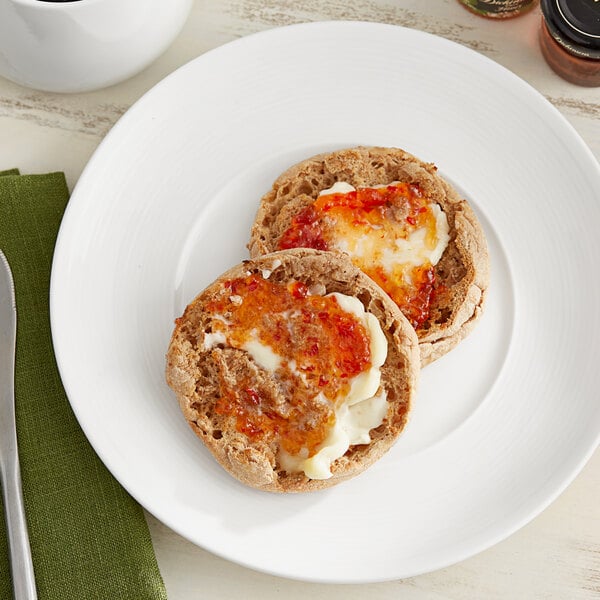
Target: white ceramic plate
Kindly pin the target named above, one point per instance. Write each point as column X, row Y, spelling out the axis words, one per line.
column 501, row 425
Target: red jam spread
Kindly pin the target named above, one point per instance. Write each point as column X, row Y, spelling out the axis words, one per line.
column 321, row 348
column 379, row 216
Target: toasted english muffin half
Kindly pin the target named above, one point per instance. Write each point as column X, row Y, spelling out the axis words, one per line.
column 266, row 360
column 454, row 288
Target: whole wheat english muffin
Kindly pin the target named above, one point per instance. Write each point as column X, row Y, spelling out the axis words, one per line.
column 400, row 222
column 295, row 369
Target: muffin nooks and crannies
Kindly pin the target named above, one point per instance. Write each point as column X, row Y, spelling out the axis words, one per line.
column 295, row 369
column 398, row 221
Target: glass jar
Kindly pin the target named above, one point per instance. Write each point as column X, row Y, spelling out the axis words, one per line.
column 570, row 39
column 498, row 9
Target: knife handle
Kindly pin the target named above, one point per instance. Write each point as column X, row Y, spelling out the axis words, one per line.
column 21, row 565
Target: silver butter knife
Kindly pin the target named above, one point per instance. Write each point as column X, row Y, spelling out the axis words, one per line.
column 21, row 565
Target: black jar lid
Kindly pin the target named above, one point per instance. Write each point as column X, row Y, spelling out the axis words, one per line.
column 576, row 21
column 579, row 20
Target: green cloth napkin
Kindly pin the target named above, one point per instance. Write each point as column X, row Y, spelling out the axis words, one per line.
column 89, row 538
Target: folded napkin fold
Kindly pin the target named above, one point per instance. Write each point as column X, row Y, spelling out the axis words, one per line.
column 89, row 538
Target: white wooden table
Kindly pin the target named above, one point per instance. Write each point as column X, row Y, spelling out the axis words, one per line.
column 558, row 554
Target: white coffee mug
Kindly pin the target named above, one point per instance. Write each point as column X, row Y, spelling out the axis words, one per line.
column 84, row 45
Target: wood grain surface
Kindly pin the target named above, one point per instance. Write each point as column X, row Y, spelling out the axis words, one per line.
column 557, row 555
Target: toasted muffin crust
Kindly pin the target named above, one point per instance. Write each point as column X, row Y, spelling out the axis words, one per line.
column 193, row 372
column 461, row 275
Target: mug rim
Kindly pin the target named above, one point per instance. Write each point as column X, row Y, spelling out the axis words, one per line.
column 54, row 5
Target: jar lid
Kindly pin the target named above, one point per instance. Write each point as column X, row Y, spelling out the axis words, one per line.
column 577, row 20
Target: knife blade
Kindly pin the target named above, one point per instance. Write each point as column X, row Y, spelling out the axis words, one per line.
column 21, row 565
